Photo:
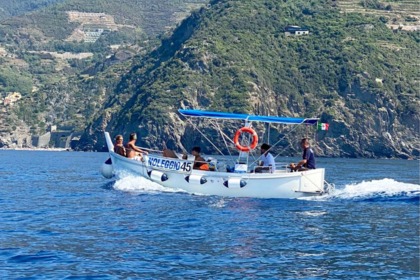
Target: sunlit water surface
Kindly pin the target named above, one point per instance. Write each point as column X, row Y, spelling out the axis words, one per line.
column 60, row 219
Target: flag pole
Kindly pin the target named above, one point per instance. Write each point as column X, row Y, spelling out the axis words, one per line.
column 316, row 135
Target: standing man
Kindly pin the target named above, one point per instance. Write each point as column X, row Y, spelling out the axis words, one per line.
column 132, row 150
column 308, row 158
column 268, row 164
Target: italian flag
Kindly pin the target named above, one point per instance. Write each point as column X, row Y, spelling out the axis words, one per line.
column 323, row 126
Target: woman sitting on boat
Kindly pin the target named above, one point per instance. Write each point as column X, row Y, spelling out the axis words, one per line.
column 119, row 147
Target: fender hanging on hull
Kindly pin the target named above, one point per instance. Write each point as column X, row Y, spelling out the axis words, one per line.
column 107, row 170
column 157, row 176
column 235, row 183
column 196, row 179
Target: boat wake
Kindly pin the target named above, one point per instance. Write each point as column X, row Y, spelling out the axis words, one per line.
column 377, row 190
column 137, row 184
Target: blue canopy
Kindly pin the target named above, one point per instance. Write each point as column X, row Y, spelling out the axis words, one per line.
column 245, row 117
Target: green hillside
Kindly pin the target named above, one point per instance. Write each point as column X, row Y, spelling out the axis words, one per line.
column 152, row 17
column 9, row 8
column 351, row 70
column 50, row 55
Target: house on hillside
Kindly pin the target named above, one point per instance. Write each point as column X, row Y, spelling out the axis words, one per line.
column 294, row 30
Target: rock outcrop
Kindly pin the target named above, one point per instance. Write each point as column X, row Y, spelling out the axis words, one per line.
column 364, row 91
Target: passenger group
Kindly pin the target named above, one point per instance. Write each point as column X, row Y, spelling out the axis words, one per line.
column 130, row 150
column 267, row 162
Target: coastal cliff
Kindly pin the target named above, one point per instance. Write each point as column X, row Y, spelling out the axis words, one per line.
column 351, row 63
column 351, row 70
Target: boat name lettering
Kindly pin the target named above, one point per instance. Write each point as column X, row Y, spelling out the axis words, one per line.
column 170, row 164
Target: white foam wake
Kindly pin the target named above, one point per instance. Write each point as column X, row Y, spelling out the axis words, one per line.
column 377, row 188
column 137, row 184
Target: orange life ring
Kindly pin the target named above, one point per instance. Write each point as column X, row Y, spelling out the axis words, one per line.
column 254, row 142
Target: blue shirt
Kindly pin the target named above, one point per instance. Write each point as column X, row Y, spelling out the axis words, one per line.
column 308, row 154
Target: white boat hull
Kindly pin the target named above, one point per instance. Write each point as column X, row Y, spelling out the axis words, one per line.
column 178, row 174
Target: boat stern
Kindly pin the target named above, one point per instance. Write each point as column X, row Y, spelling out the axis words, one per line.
column 312, row 182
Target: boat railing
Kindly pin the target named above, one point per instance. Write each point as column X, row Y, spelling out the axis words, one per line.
column 261, row 169
column 282, row 167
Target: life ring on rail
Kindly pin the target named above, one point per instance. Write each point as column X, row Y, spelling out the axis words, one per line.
column 254, row 142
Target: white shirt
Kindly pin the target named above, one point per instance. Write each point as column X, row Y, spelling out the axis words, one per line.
column 269, row 160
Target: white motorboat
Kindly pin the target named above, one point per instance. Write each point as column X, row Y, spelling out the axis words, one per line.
column 240, row 181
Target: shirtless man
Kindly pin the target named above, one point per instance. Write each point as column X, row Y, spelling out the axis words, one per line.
column 132, row 150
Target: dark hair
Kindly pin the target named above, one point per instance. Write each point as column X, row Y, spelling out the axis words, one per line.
column 196, row 149
column 265, row 146
column 304, row 140
column 133, row 136
column 118, row 137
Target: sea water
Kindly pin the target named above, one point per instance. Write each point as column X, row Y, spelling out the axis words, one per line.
column 60, row 219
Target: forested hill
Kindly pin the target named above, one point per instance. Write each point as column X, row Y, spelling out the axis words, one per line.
column 10, row 8
column 60, row 58
column 351, row 70
column 51, row 17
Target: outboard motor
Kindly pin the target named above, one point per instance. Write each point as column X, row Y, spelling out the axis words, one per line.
column 106, row 169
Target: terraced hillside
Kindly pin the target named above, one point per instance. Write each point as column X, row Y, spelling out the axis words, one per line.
column 52, row 56
column 399, row 14
column 10, row 8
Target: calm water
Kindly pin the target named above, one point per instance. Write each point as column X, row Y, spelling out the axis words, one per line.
column 60, row 219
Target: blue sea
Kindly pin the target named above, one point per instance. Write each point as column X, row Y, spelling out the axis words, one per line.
column 60, row 219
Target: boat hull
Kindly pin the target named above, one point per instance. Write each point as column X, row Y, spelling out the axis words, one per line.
column 178, row 174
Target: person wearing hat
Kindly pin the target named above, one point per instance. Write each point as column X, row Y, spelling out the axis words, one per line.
column 119, row 147
column 268, row 164
column 132, row 150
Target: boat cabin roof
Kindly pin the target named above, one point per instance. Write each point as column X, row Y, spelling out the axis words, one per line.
column 246, row 117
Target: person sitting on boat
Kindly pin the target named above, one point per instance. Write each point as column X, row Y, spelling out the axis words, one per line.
column 119, row 147
column 268, row 164
column 308, row 158
column 132, row 150
column 199, row 162
column 168, row 152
